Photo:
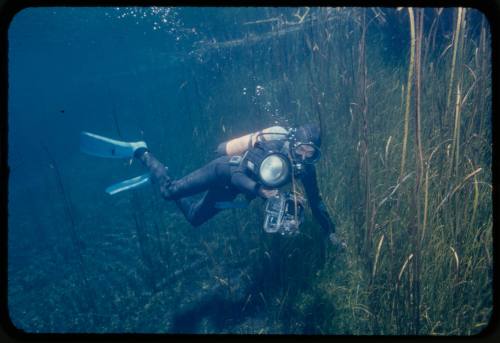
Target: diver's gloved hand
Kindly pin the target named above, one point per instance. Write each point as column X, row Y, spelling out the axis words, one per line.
column 338, row 244
column 267, row 193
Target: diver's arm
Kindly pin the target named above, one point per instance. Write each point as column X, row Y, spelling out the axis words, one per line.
column 249, row 187
column 318, row 206
column 244, row 183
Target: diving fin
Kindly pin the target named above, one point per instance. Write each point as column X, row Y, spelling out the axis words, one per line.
column 128, row 184
column 96, row 145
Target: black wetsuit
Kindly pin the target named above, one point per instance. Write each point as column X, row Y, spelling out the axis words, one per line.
column 223, row 182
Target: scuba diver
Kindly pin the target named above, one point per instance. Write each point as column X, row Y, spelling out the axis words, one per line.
column 256, row 165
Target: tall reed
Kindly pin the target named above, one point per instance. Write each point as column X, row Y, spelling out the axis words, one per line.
column 409, row 84
column 75, row 240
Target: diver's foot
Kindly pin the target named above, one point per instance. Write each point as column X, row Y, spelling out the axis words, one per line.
column 140, row 151
column 337, row 244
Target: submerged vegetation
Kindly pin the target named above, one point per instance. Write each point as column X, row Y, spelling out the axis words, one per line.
column 403, row 98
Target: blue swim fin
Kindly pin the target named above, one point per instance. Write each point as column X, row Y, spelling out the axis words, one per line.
column 135, row 182
column 96, row 145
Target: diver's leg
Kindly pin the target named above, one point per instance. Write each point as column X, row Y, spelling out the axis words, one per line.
column 198, row 212
column 157, row 169
column 196, row 182
column 190, row 209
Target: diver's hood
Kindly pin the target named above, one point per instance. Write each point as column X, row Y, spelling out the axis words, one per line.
column 309, row 133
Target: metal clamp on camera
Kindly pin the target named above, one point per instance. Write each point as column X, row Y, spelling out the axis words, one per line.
column 284, row 213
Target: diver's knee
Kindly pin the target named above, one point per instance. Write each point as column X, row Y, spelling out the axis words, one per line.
column 194, row 218
column 170, row 189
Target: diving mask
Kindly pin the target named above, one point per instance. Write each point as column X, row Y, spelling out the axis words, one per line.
column 302, row 152
column 306, row 153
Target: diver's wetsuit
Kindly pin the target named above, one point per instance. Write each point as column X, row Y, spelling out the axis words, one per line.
column 223, row 182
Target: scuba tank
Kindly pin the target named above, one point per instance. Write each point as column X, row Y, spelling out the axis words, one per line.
column 239, row 145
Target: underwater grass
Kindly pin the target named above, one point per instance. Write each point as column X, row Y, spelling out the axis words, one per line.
column 444, row 227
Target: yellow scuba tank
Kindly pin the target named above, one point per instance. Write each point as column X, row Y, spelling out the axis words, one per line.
column 238, row 146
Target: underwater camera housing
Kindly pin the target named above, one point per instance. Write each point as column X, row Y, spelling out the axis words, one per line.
column 284, row 214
